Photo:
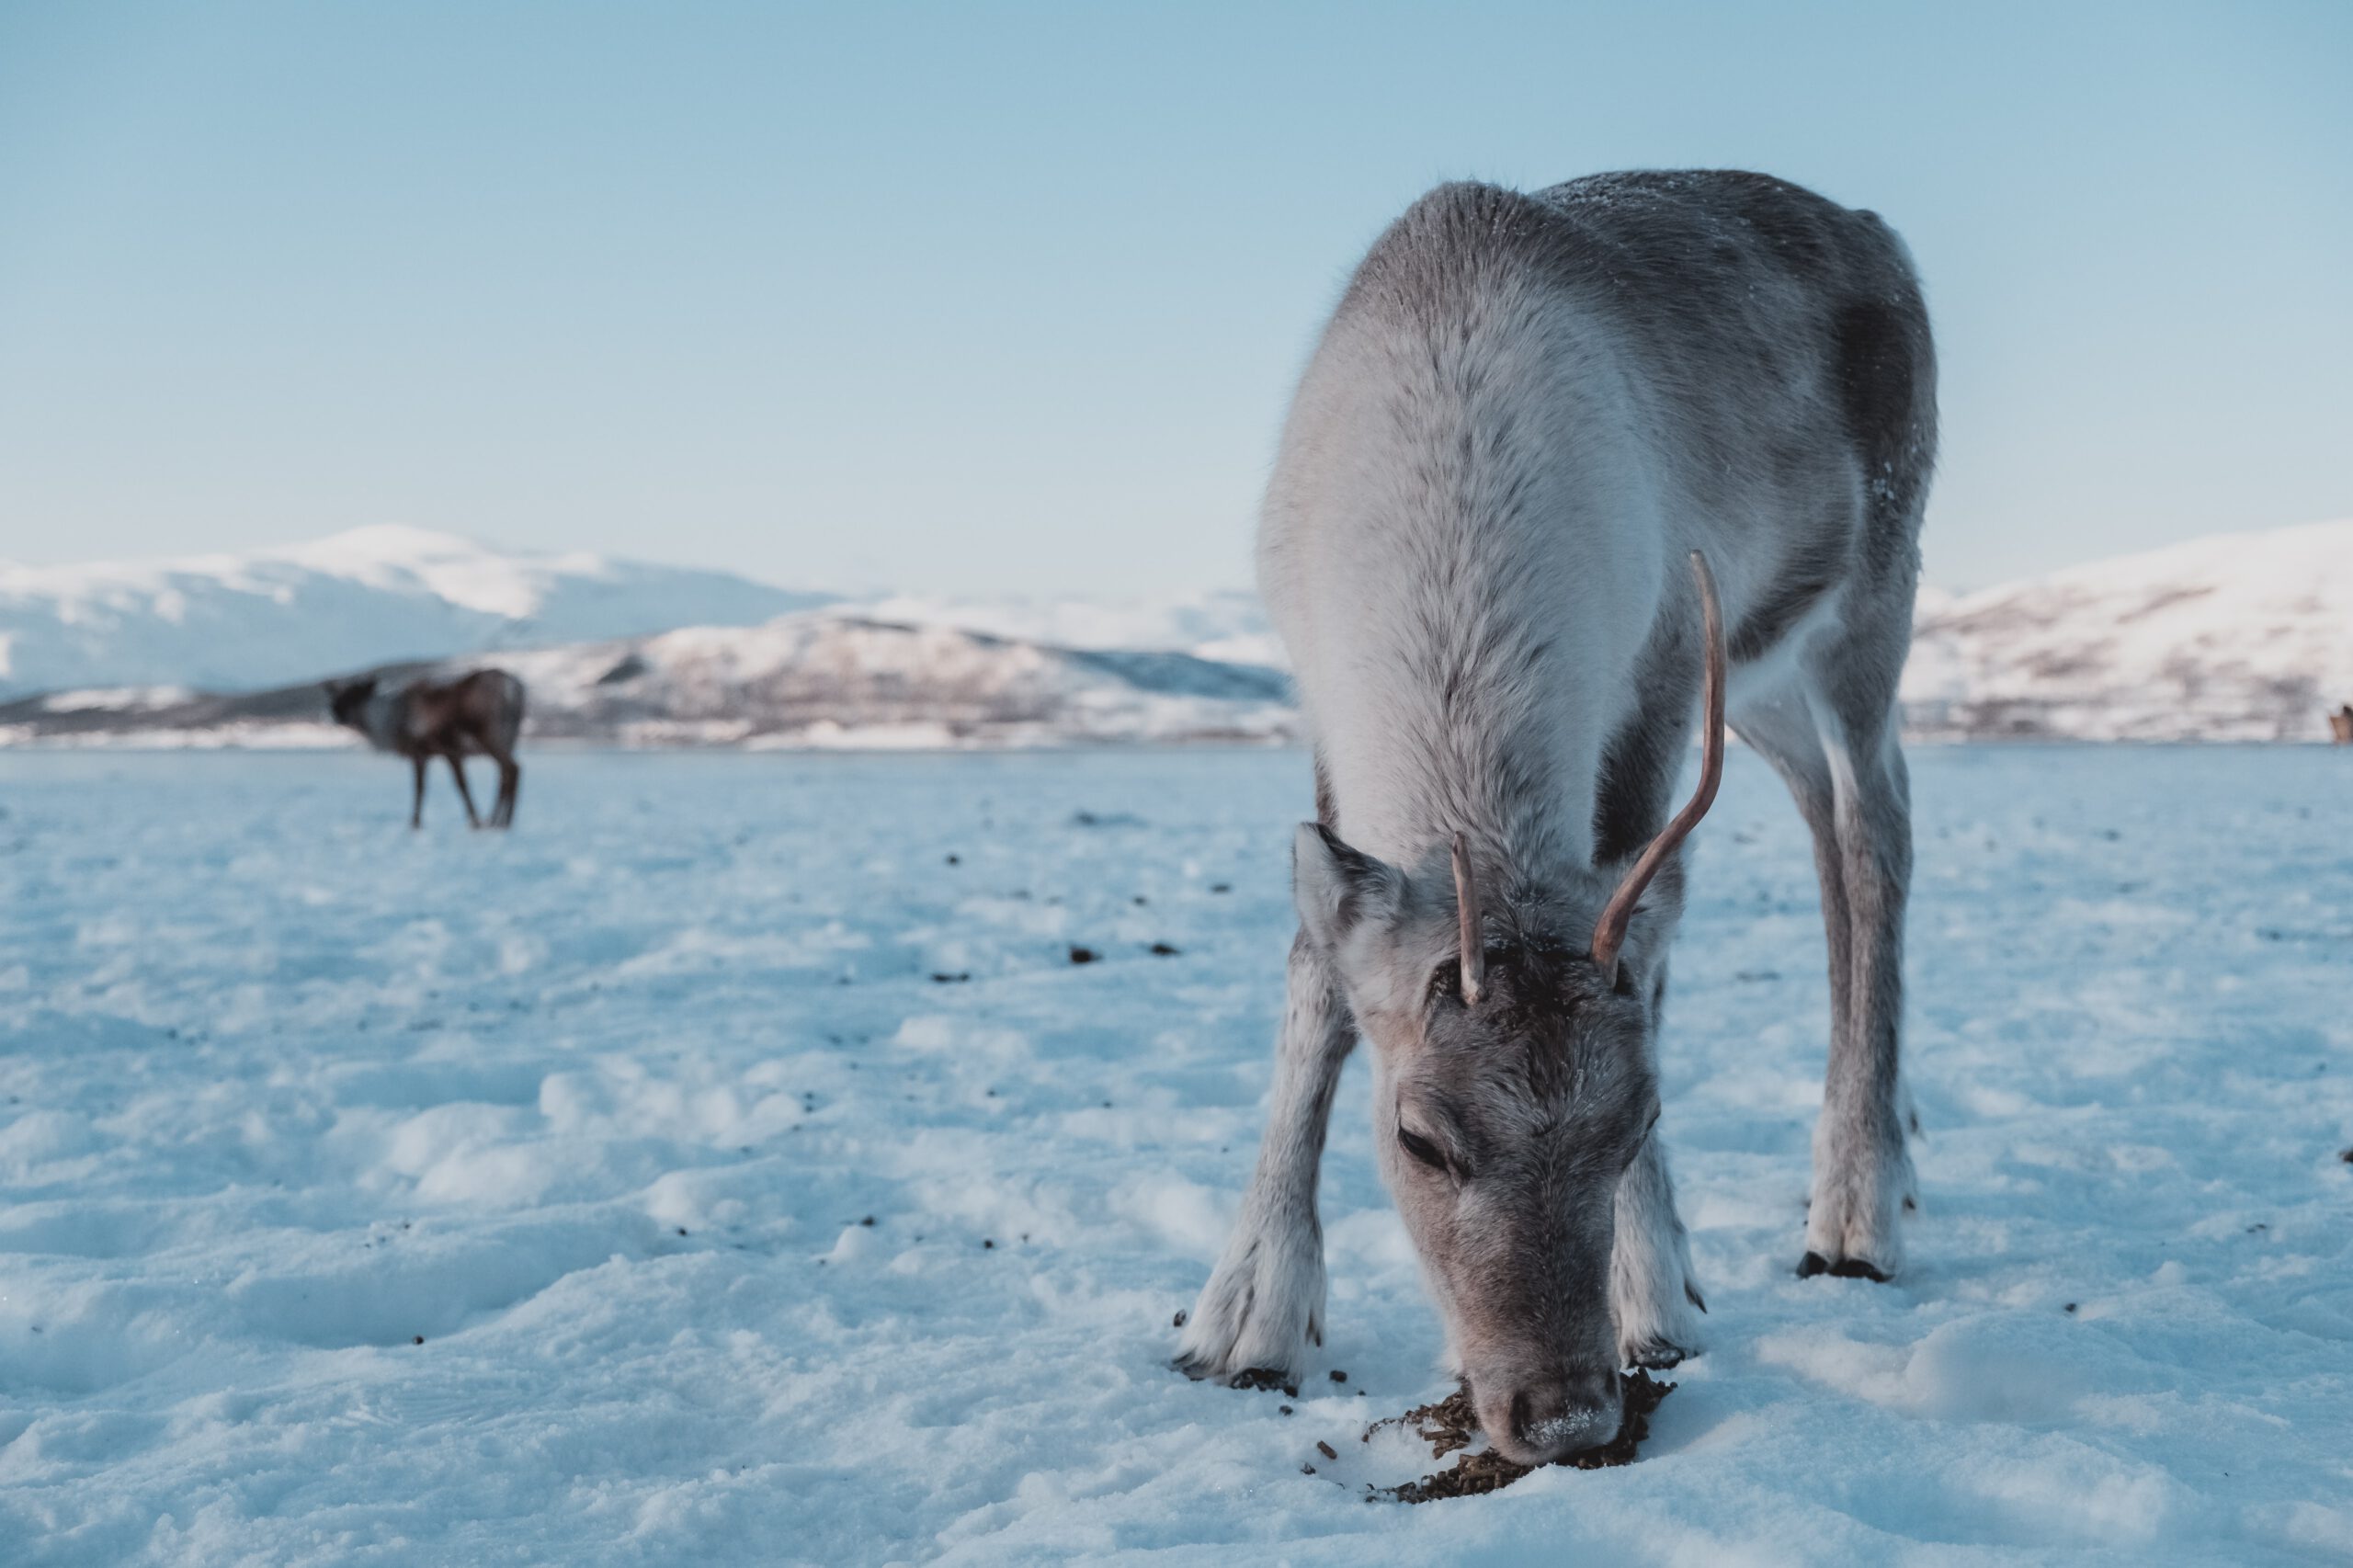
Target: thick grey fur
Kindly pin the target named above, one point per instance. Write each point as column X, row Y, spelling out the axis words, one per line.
column 1525, row 412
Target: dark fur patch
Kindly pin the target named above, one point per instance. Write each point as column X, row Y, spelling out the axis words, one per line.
column 1878, row 349
column 1638, row 767
column 1801, row 587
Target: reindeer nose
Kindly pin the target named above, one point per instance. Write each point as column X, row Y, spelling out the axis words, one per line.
column 1557, row 1417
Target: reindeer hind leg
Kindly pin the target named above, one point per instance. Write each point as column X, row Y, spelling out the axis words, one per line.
column 510, row 784
column 1831, row 736
column 457, row 771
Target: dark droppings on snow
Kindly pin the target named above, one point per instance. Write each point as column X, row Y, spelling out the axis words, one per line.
column 1163, row 950
column 1264, row 1378
column 1451, row 1425
column 1081, row 955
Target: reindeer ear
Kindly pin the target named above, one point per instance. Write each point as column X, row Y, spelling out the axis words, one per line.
column 1337, row 887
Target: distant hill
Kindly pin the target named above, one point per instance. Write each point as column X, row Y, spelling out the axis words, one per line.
column 2236, row 637
column 264, row 618
column 1229, row 625
column 809, row 680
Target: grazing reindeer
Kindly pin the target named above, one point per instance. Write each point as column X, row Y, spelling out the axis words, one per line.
column 475, row 715
column 1526, row 413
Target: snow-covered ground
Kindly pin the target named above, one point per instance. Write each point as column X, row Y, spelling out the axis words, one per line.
column 377, row 1198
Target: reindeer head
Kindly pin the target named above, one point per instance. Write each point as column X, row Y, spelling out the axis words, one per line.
column 347, row 700
column 1514, row 1085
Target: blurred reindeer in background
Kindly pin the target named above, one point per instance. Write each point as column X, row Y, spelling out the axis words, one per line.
column 476, row 715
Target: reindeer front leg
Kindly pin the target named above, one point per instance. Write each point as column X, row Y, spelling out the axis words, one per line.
column 1652, row 1295
column 1264, row 1302
column 417, row 796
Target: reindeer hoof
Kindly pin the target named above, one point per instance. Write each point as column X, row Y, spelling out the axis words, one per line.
column 1814, row 1263
column 1265, row 1378
column 1203, row 1368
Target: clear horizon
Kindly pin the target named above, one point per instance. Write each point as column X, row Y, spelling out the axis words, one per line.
column 943, row 302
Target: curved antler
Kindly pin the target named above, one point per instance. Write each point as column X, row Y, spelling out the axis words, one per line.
column 1466, row 909
column 1609, row 931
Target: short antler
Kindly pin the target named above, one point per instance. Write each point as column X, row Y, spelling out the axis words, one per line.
column 1466, row 908
column 1609, row 931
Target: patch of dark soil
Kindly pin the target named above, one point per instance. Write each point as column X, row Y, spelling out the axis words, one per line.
column 1451, row 1423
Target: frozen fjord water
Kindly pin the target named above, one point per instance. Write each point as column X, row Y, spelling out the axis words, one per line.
column 599, row 1109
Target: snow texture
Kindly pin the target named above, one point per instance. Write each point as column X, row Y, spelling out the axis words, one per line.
column 368, row 596
column 378, row 1198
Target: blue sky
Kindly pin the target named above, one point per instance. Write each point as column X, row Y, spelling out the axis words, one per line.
column 992, row 299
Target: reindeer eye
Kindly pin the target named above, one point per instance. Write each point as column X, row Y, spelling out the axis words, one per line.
column 1422, row 1149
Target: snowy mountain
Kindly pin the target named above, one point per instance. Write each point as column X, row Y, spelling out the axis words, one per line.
column 235, row 622
column 811, row 680
column 2236, row 637
column 1230, row 626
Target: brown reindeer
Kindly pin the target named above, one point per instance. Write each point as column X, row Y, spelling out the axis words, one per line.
column 2340, row 725
column 475, row 715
